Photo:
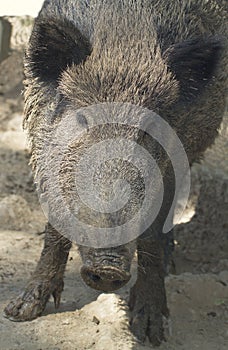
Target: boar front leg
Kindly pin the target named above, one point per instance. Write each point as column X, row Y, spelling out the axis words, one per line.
column 47, row 279
column 148, row 297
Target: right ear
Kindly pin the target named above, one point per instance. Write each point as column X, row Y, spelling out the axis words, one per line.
column 53, row 46
column 193, row 63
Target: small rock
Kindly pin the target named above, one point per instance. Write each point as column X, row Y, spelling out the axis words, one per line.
column 223, row 277
column 212, row 314
column 95, row 320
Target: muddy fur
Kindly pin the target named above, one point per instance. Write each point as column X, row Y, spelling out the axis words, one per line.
column 170, row 57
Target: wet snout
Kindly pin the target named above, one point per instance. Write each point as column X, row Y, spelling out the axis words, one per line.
column 105, row 278
column 107, row 269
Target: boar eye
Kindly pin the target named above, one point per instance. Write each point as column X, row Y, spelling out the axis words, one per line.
column 82, row 120
column 54, row 45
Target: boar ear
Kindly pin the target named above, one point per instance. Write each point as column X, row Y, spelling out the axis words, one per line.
column 193, row 64
column 53, row 46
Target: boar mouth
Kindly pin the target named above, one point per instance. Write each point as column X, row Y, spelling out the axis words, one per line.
column 105, row 278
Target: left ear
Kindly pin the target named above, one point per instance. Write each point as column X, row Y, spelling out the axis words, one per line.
column 193, row 63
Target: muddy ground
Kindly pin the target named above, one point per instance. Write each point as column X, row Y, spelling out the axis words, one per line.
column 197, row 293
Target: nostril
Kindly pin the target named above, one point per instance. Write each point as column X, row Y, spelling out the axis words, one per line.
column 93, row 277
column 117, row 283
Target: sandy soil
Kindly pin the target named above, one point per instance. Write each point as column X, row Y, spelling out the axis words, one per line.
column 197, row 293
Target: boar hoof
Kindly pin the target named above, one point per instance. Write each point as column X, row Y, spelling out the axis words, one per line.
column 147, row 318
column 31, row 303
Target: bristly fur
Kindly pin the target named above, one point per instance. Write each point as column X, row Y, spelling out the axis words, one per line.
column 167, row 56
column 86, row 52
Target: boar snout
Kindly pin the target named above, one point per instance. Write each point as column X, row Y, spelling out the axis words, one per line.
column 104, row 278
column 107, row 269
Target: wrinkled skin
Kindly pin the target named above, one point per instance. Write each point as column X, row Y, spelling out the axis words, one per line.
column 173, row 63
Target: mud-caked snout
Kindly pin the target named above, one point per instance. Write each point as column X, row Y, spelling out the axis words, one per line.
column 107, row 269
column 105, row 278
